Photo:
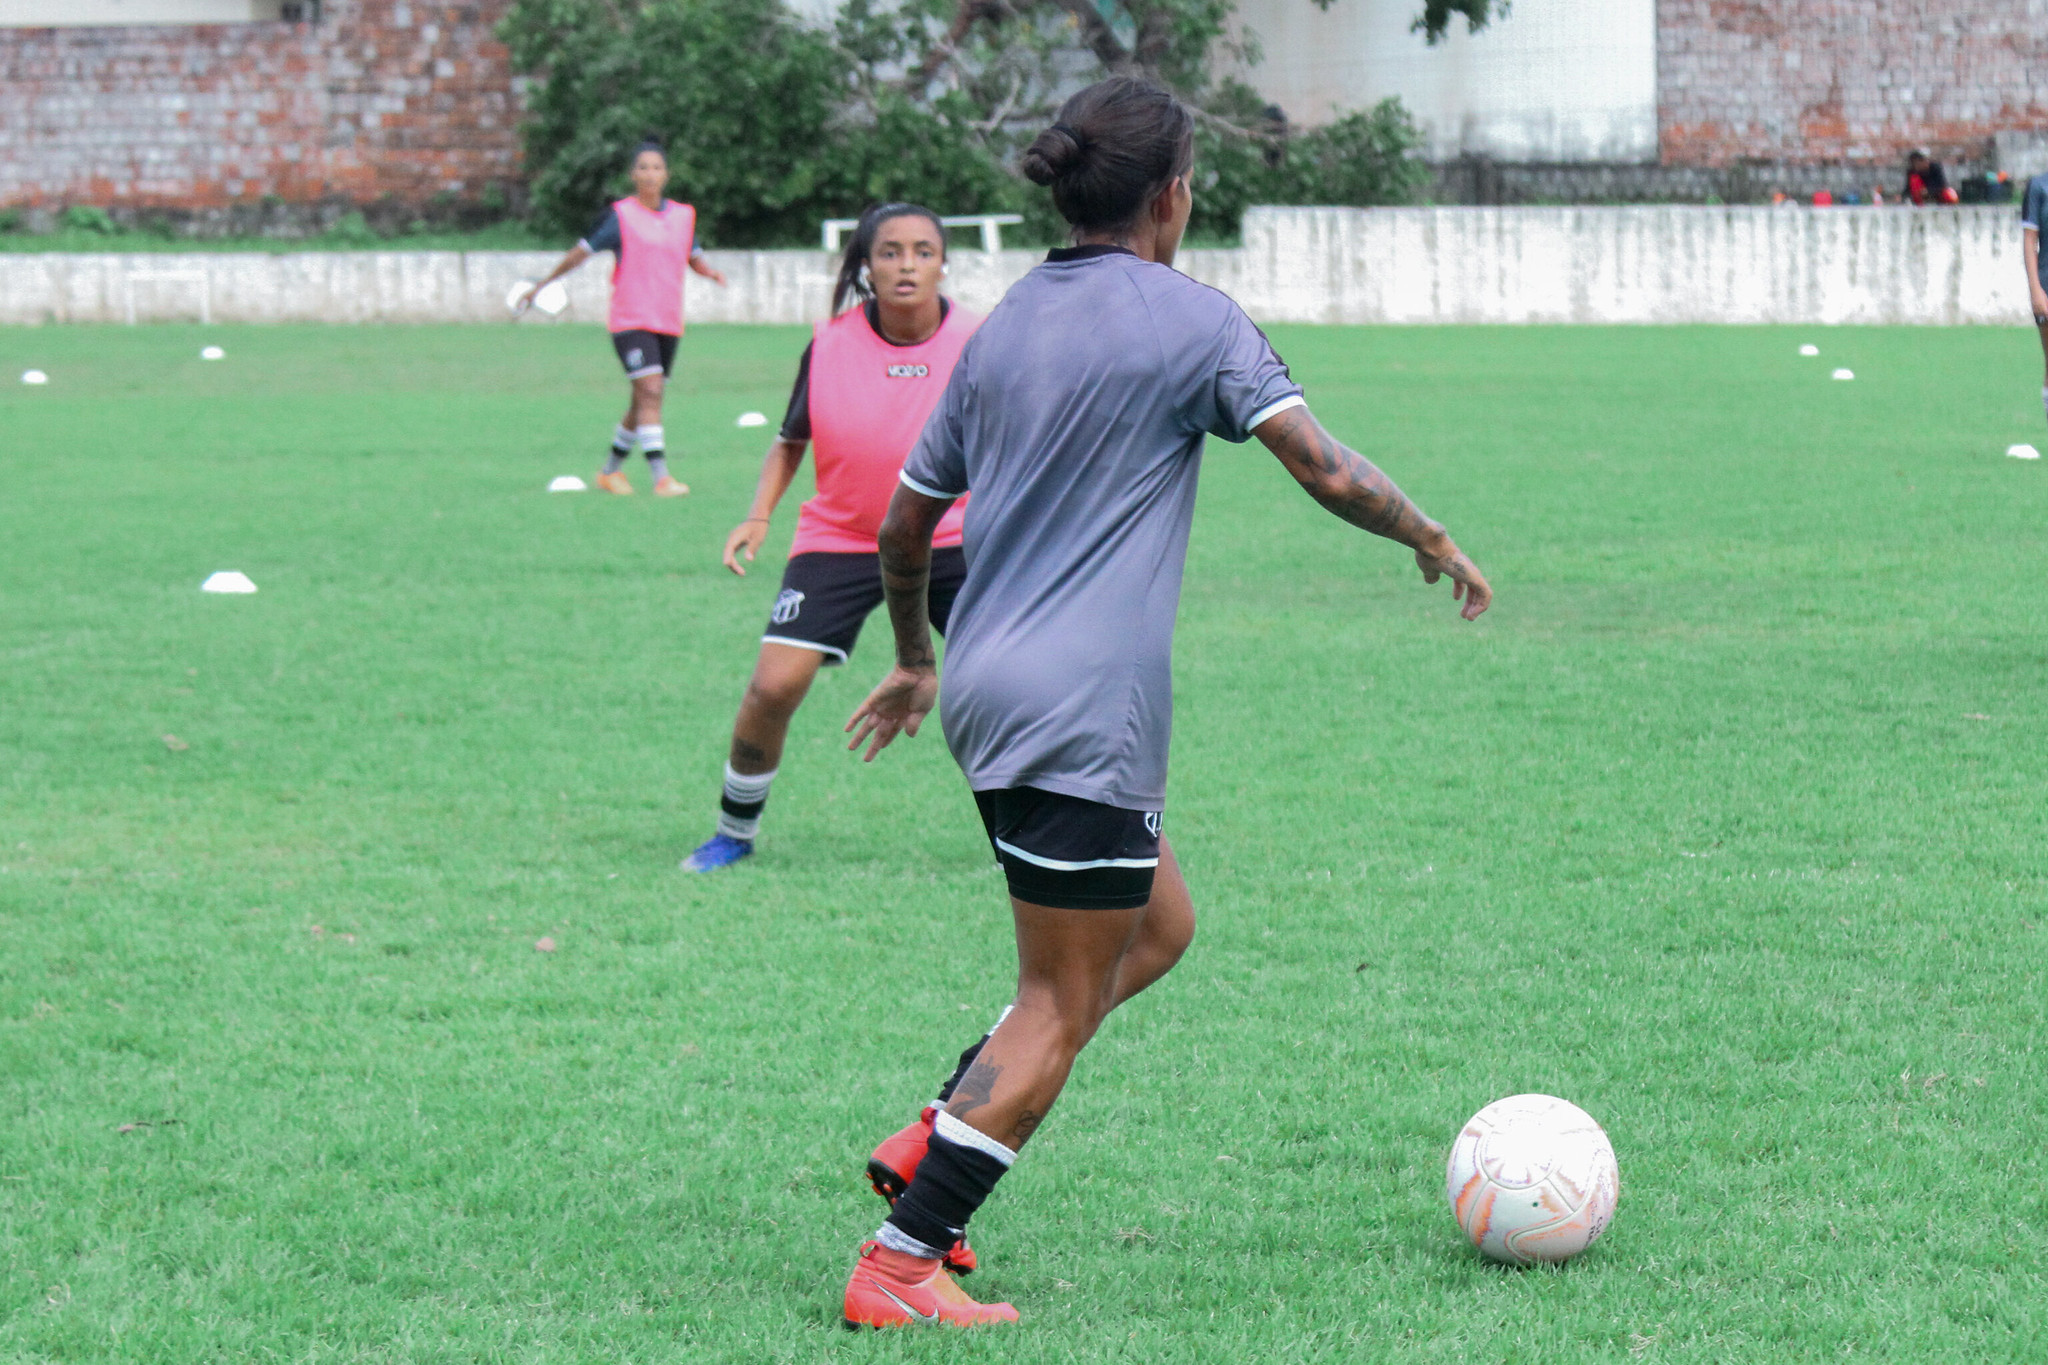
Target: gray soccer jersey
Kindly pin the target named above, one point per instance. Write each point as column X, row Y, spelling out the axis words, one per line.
column 2034, row 214
column 1076, row 417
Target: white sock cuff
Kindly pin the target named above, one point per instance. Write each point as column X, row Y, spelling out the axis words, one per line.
column 955, row 1131
column 651, row 438
column 896, row 1239
column 622, row 436
column 747, row 786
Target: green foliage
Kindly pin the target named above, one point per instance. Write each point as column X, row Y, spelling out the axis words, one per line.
column 772, row 124
column 759, row 113
column 352, row 229
column 11, row 220
column 88, row 218
column 1363, row 159
column 1436, row 16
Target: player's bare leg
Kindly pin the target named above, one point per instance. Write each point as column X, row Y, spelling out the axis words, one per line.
column 783, row 675
column 782, row 679
column 1163, row 935
column 644, row 414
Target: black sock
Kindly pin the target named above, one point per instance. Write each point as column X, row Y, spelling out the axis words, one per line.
column 952, row 1181
column 966, row 1060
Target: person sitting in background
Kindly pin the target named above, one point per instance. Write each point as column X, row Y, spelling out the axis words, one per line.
column 1926, row 182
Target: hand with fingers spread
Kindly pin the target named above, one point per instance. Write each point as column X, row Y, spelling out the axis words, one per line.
column 745, row 539
column 897, row 706
column 1444, row 559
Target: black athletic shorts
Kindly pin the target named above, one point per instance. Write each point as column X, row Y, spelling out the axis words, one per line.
column 645, row 353
column 827, row 595
column 1069, row 853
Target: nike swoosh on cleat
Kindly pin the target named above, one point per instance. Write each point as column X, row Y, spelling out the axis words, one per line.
column 921, row 1317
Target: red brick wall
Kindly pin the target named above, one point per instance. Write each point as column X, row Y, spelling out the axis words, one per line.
column 1845, row 80
column 381, row 98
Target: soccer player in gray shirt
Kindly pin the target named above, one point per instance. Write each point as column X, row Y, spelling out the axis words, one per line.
column 1076, row 416
column 2033, row 218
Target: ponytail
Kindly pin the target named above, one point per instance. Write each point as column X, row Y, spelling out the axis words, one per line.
column 853, row 288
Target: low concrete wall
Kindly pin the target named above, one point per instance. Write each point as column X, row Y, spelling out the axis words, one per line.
column 1453, row 265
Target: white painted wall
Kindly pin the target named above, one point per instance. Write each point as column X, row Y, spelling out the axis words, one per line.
column 1517, row 265
column 1556, row 80
column 96, row 13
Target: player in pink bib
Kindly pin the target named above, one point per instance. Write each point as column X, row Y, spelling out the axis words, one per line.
column 864, row 387
column 651, row 239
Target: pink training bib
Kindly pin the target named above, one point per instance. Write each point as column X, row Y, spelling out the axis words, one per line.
column 869, row 402
column 647, row 281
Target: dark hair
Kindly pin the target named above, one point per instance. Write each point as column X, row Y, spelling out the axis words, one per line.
column 650, row 144
column 852, row 287
column 1114, row 146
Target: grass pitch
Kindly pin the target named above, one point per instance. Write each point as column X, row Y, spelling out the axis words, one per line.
column 1727, row 824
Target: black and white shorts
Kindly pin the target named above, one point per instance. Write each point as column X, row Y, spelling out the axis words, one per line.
column 645, row 353
column 1069, row 853
column 827, row 595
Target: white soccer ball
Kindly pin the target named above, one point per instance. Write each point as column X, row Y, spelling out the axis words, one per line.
column 1532, row 1179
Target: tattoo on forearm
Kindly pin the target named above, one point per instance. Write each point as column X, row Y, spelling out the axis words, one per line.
column 975, row 1089
column 906, row 576
column 1348, row 484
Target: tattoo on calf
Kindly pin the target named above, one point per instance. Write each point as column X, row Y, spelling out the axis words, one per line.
column 743, row 752
column 975, row 1089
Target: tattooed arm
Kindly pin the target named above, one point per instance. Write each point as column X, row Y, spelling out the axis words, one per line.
column 908, row 694
column 1348, row 485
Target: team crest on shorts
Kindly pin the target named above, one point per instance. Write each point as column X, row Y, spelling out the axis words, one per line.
column 787, row 606
column 1154, row 820
column 633, row 356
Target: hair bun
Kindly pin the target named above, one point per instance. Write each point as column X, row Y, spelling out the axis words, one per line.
column 1052, row 154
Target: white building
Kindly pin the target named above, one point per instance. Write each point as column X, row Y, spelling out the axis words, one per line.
column 1555, row 80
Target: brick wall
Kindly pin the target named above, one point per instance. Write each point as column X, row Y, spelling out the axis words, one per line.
column 1846, row 81
column 403, row 103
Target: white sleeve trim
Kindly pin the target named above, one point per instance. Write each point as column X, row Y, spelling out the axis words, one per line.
column 914, row 486
column 1272, row 410
column 2036, row 227
column 584, row 242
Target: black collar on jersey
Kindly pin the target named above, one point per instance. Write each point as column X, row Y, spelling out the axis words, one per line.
column 1061, row 254
column 874, row 316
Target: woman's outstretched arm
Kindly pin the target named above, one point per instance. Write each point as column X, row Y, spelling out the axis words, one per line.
column 1350, row 486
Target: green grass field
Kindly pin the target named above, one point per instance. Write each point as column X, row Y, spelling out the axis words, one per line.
column 1727, row 823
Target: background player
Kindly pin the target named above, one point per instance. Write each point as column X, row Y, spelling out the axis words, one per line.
column 866, row 383
column 651, row 238
column 2033, row 217
column 1077, row 417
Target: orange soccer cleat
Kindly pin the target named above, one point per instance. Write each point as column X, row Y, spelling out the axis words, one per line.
column 894, row 1163
column 669, row 486
column 615, row 482
column 896, row 1289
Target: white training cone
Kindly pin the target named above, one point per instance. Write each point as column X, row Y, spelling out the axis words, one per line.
column 1843, row 374
column 34, row 377
column 1809, row 349
column 2023, row 451
column 227, row 580
column 213, row 353
column 566, row 483
column 752, row 419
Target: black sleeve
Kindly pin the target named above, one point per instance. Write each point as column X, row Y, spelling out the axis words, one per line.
column 605, row 236
column 1937, row 180
column 796, row 423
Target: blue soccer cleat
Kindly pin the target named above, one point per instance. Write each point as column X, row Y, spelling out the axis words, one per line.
column 720, row 850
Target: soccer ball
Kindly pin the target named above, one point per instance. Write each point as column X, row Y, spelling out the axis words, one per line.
column 1532, row 1179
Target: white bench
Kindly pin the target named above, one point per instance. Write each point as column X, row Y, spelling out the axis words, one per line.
column 991, row 225
column 186, row 277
